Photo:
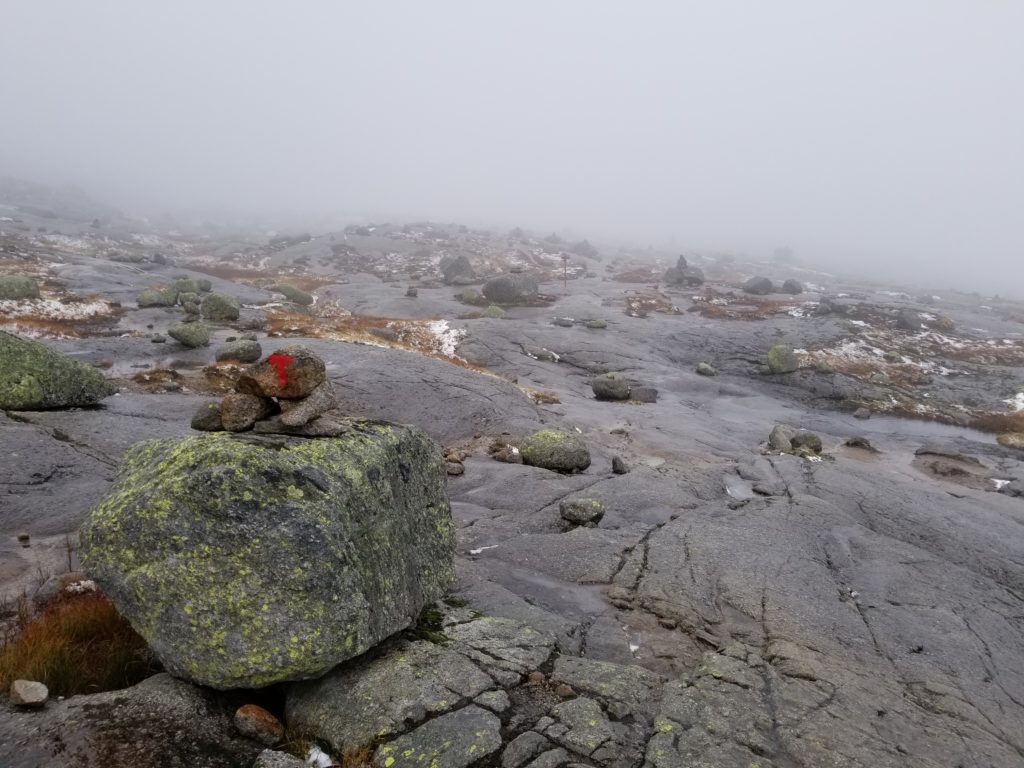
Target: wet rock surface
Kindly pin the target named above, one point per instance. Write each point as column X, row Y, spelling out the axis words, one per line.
column 736, row 604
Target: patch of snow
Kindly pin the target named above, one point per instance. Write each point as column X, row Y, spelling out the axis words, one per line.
column 859, row 323
column 1016, row 402
column 800, row 351
column 51, row 309
column 1000, row 483
column 481, row 549
column 317, row 758
column 79, row 587
column 448, row 338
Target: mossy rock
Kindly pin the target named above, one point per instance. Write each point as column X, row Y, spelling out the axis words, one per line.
column 245, row 563
column 190, row 335
column 597, row 325
column 782, row 359
column 18, row 287
column 494, row 312
column 165, row 297
column 558, row 451
column 611, row 386
column 186, row 285
column 220, row 307
column 293, row 294
column 511, row 289
column 35, row 377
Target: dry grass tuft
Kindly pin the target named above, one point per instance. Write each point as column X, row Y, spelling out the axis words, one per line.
column 999, row 423
column 78, row 644
column 259, row 279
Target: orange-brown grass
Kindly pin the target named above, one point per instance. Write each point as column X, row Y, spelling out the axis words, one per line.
column 741, row 307
column 412, row 335
column 642, row 304
column 79, row 644
column 44, row 327
column 1012, row 421
column 260, row 279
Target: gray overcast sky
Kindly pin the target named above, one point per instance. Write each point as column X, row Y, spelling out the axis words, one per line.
column 889, row 132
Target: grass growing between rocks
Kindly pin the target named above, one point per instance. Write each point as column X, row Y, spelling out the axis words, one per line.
column 78, row 644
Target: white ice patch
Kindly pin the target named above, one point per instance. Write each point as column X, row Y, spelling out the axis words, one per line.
column 481, row 549
column 859, row 323
column 447, row 338
column 51, row 309
column 86, row 585
column 1016, row 403
column 317, row 758
column 1000, row 483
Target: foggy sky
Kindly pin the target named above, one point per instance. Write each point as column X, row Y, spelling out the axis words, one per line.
column 882, row 133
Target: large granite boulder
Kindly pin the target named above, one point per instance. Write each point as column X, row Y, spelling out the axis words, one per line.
column 511, row 289
column 34, row 377
column 247, row 562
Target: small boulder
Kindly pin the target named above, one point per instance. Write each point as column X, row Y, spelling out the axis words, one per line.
column 581, row 511
column 862, row 413
column 792, row 286
column 619, row 467
column 554, row 450
column 908, row 320
column 157, row 298
column 295, row 413
column 564, row 322
column 494, row 312
column 610, row 386
column 597, row 324
column 293, row 294
column 28, row 694
column 239, row 411
column 35, row 377
column 511, row 289
column 243, row 351
column 704, row 369
column 290, row 373
column 186, row 285
column 256, row 723
column 220, row 307
column 781, row 437
column 782, row 359
column 18, row 287
column 191, row 335
column 759, row 286
column 457, row 270
column 692, row 276
column 207, row 418
column 806, row 441
column 412, row 292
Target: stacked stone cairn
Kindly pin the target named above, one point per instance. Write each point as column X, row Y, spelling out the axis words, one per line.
column 286, row 393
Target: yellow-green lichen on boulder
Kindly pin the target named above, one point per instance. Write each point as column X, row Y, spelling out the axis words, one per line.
column 247, row 562
column 34, row 377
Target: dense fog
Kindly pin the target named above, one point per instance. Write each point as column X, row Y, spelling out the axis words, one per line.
column 884, row 137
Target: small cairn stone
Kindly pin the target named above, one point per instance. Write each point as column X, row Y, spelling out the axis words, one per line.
column 256, row 723
column 240, row 411
column 704, row 369
column 295, row 413
column 288, row 393
column 28, row 694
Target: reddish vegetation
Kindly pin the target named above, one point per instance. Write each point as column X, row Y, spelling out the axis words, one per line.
column 637, row 276
column 732, row 307
column 642, row 304
column 78, row 644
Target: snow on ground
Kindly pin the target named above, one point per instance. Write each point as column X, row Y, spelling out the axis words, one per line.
column 52, row 309
column 1016, row 402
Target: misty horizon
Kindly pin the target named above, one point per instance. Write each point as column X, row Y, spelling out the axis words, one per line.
column 876, row 139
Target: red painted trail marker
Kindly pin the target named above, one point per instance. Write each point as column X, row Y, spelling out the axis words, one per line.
column 280, row 362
